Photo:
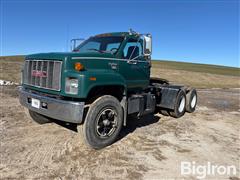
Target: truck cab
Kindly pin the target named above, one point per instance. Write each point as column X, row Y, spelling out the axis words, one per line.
column 97, row 85
column 123, row 54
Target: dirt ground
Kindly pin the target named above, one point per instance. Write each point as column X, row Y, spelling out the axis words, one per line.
column 150, row 148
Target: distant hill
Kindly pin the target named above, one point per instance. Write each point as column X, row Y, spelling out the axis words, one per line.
column 197, row 75
column 12, row 58
column 207, row 68
column 163, row 64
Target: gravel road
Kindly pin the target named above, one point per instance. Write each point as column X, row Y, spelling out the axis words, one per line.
column 150, row 148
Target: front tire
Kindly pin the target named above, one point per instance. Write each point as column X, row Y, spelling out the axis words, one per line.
column 38, row 118
column 103, row 122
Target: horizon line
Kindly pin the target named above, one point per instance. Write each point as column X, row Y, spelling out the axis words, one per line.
column 168, row 60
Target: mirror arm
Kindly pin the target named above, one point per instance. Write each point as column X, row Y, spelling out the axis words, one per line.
column 136, row 57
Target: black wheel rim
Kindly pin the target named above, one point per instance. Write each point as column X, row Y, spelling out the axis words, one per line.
column 106, row 123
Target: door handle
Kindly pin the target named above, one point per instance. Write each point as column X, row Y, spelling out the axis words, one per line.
column 113, row 65
column 132, row 62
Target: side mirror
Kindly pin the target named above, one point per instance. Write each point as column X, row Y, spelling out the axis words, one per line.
column 147, row 45
column 75, row 43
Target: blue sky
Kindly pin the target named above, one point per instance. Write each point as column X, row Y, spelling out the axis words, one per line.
column 198, row 31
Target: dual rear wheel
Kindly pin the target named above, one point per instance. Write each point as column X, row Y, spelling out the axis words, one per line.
column 179, row 106
column 183, row 103
column 191, row 100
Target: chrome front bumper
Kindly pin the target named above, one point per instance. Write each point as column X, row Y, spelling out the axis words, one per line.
column 68, row 111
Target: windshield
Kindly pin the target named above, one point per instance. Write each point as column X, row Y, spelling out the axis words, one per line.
column 109, row 44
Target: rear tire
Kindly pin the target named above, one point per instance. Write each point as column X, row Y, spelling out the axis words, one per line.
column 164, row 112
column 103, row 122
column 179, row 106
column 38, row 118
column 191, row 100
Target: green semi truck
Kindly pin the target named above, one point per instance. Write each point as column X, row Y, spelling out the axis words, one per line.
column 97, row 86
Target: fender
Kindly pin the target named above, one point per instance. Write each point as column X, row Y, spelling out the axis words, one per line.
column 93, row 78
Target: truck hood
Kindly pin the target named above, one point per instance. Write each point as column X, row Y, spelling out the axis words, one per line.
column 91, row 61
column 67, row 55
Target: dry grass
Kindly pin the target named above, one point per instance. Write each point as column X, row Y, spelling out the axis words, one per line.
column 193, row 67
column 197, row 79
column 196, row 75
column 10, row 68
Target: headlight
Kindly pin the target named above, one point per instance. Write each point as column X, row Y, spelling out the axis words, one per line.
column 71, row 86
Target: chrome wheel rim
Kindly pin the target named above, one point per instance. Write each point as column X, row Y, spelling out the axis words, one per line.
column 181, row 105
column 106, row 122
column 193, row 102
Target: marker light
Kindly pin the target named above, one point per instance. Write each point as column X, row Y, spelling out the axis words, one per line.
column 92, row 78
column 78, row 66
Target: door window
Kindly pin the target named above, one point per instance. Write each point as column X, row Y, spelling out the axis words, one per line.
column 132, row 49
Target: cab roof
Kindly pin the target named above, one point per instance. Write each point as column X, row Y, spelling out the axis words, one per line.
column 113, row 34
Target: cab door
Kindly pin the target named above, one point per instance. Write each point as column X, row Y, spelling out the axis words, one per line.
column 133, row 67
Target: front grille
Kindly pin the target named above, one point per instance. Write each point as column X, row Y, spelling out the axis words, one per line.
column 43, row 73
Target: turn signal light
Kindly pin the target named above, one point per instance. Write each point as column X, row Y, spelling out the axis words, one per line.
column 92, row 78
column 78, row 66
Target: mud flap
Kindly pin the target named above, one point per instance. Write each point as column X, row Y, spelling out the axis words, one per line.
column 167, row 97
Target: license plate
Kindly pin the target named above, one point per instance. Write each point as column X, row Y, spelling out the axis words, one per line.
column 35, row 103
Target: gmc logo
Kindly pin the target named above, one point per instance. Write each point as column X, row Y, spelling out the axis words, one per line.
column 37, row 73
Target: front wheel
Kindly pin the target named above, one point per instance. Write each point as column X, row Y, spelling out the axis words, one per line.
column 38, row 118
column 103, row 122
